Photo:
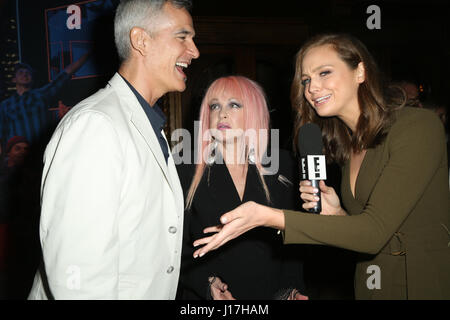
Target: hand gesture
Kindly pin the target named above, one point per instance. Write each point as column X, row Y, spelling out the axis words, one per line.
column 296, row 295
column 330, row 201
column 219, row 290
column 235, row 223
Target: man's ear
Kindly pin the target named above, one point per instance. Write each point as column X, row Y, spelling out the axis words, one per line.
column 360, row 73
column 139, row 40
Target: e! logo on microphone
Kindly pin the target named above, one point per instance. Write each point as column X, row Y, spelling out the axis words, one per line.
column 316, row 166
column 303, row 162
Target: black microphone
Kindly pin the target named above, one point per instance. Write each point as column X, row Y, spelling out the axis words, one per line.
column 312, row 160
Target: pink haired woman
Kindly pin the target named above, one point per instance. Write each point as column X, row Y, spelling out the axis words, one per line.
column 229, row 170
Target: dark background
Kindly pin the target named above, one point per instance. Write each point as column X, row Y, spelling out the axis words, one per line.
column 411, row 45
column 260, row 38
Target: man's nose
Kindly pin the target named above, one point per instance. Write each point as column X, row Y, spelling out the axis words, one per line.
column 193, row 50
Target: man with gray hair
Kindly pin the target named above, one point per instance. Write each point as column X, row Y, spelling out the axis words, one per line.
column 112, row 205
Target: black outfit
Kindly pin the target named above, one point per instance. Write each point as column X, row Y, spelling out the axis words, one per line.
column 256, row 265
column 323, row 282
column 19, row 211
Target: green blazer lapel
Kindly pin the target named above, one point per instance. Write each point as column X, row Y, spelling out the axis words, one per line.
column 369, row 172
column 364, row 183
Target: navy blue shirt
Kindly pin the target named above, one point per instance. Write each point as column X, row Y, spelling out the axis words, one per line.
column 156, row 117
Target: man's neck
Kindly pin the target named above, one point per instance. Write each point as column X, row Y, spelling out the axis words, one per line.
column 140, row 82
column 22, row 89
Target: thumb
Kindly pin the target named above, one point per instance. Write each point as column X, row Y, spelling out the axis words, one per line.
column 323, row 187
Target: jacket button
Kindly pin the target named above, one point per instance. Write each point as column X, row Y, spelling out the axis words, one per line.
column 170, row 270
column 172, row 230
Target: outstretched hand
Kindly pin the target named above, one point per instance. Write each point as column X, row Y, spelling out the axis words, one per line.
column 234, row 223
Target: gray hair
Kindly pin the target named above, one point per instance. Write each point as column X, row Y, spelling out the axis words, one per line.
column 138, row 13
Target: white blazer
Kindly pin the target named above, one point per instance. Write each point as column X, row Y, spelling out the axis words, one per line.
column 112, row 209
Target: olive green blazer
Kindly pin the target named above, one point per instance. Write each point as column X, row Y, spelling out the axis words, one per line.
column 399, row 219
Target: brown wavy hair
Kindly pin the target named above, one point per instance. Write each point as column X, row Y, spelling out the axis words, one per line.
column 376, row 102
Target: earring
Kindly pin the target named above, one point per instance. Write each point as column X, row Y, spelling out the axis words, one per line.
column 212, row 155
column 251, row 156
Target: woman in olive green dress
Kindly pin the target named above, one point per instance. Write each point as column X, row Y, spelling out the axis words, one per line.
column 394, row 192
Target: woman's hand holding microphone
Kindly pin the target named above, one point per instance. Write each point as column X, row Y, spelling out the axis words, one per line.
column 331, row 206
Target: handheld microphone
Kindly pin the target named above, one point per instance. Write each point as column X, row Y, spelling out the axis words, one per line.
column 312, row 160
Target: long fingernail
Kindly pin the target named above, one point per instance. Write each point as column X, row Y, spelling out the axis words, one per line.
column 201, row 255
column 196, row 256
